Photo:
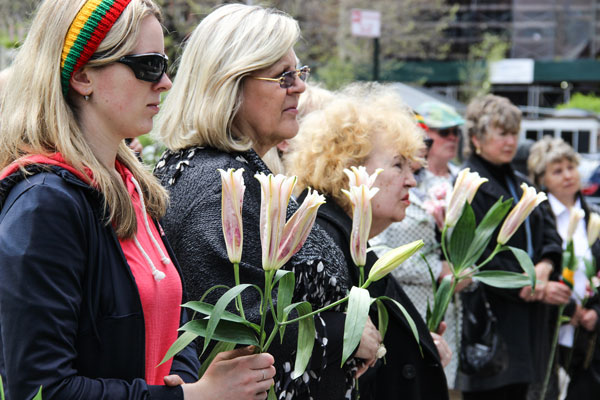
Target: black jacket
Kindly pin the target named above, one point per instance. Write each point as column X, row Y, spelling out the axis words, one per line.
column 406, row 374
column 71, row 319
column 193, row 226
column 522, row 325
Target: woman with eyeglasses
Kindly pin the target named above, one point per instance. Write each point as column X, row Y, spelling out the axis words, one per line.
column 368, row 125
column 235, row 97
column 89, row 288
column 492, row 124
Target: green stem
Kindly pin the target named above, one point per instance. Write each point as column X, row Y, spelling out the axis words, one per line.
column 238, row 299
column 361, row 277
column 561, row 308
column 264, row 306
column 487, row 260
column 340, row 301
column 271, row 337
column 444, row 244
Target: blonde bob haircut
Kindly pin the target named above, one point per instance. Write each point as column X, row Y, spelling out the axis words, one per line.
column 230, row 43
column 39, row 119
column 344, row 133
column 490, row 111
column 547, row 151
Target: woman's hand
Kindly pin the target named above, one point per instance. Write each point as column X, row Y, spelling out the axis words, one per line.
column 233, row 375
column 556, row 293
column 542, row 274
column 588, row 319
column 441, row 345
column 367, row 349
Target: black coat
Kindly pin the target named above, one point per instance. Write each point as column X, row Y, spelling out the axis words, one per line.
column 71, row 318
column 406, row 374
column 522, row 325
column 193, row 226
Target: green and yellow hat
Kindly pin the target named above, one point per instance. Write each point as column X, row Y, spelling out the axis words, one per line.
column 89, row 28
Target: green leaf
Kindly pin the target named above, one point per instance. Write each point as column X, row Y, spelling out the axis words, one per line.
column 306, row 339
column 38, row 396
column 408, row 318
column 383, row 317
column 525, row 263
column 181, row 343
column 431, row 275
column 207, row 309
column 356, row 318
column 485, row 231
column 462, row 236
column 1, row 389
column 285, row 293
column 219, row 347
column 440, row 303
column 564, row 319
column 226, row 331
column 503, row 279
column 219, row 310
column 271, row 395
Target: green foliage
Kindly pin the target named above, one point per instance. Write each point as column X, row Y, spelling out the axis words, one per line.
column 589, row 102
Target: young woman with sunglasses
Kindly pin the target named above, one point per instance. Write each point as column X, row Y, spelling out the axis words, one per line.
column 235, row 97
column 89, row 289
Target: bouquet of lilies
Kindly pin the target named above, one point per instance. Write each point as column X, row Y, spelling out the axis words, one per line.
column 463, row 242
column 280, row 240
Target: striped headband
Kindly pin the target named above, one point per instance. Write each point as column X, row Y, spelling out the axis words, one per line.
column 89, row 28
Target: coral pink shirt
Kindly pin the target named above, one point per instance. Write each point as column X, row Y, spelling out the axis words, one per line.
column 160, row 298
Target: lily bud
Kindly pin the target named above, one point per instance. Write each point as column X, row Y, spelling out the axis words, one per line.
column 574, row 217
column 593, row 228
column 359, row 176
column 232, row 197
column 530, row 200
column 392, row 259
column 466, row 186
column 360, row 198
column 275, row 196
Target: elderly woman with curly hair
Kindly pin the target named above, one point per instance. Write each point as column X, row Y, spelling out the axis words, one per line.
column 553, row 166
column 493, row 125
column 370, row 126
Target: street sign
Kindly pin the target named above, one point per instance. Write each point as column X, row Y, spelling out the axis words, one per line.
column 366, row 23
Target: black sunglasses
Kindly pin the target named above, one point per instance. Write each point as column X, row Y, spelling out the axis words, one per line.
column 287, row 79
column 148, row 67
column 449, row 131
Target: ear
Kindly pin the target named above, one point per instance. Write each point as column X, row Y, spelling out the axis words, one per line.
column 476, row 142
column 81, row 82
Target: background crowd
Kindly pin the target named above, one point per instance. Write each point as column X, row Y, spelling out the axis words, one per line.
column 97, row 253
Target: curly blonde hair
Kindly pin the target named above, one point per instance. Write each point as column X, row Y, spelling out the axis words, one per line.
column 343, row 134
column 546, row 151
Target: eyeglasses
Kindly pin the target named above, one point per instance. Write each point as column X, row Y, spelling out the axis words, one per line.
column 287, row 79
column 449, row 131
column 148, row 67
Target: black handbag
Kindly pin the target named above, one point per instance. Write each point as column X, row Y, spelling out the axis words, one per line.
column 483, row 351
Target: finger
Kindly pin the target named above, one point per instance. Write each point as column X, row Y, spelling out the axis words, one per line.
column 235, row 353
column 362, row 368
column 260, row 396
column 442, row 328
column 173, row 380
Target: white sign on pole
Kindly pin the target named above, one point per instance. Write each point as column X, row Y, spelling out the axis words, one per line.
column 366, row 23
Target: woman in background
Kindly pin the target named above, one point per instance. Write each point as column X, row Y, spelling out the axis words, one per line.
column 492, row 124
column 553, row 166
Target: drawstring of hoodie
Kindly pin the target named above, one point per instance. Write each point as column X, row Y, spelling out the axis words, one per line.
column 158, row 274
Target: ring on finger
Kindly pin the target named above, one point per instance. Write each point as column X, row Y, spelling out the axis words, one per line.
column 263, row 372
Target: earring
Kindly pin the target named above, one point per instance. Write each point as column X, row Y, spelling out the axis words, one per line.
column 477, row 150
column 86, row 97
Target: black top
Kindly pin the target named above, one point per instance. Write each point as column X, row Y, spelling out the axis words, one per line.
column 522, row 325
column 193, row 226
column 406, row 373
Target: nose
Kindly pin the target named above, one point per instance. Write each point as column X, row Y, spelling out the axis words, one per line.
column 164, row 84
column 299, row 86
column 409, row 179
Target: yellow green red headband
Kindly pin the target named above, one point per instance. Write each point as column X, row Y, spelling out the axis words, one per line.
column 89, row 28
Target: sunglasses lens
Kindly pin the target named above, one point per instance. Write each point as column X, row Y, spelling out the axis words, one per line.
column 447, row 132
column 288, row 79
column 304, row 73
column 147, row 67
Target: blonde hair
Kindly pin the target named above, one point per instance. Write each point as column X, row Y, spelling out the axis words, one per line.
column 343, row 134
column 229, row 44
column 41, row 120
column 546, row 151
column 486, row 112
